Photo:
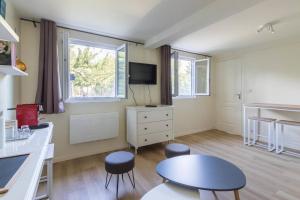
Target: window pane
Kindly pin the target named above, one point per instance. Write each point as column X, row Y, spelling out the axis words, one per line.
column 92, row 71
column 121, row 71
column 202, row 80
column 184, row 77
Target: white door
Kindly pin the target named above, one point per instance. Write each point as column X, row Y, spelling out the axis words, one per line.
column 229, row 96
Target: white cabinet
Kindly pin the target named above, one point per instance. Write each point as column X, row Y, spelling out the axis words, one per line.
column 147, row 126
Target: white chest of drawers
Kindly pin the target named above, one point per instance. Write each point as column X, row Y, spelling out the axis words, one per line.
column 147, row 126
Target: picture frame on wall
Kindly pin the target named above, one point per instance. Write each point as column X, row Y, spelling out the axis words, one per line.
column 7, row 53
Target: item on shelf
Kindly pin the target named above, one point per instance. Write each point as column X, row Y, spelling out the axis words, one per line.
column 7, row 53
column 2, row 8
column 21, row 65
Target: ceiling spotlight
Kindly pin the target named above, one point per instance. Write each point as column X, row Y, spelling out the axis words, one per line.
column 268, row 26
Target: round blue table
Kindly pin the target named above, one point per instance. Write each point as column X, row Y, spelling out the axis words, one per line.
column 203, row 172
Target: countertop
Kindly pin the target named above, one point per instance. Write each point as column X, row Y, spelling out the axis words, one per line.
column 23, row 187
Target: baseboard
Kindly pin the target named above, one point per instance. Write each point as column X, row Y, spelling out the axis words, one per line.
column 89, row 153
column 124, row 145
column 231, row 133
column 192, row 132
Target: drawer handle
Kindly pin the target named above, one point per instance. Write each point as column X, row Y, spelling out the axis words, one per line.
column 167, row 124
column 167, row 115
column 167, row 135
column 146, row 140
column 145, row 128
column 145, row 117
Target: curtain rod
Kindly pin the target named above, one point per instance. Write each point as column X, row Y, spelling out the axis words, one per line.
column 107, row 36
column 191, row 52
column 82, row 31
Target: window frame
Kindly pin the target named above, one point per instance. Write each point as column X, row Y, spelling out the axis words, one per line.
column 118, row 49
column 192, row 60
column 66, row 70
column 175, row 56
column 194, row 93
column 207, row 77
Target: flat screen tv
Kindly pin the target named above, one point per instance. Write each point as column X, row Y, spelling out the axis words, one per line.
column 141, row 73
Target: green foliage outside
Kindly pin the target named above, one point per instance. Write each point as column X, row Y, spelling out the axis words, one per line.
column 93, row 70
column 184, row 77
column 201, row 81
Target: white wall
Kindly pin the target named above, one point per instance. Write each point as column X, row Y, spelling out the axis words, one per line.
column 202, row 108
column 271, row 75
column 191, row 115
column 9, row 85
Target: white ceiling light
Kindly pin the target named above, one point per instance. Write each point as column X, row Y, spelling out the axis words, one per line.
column 268, row 26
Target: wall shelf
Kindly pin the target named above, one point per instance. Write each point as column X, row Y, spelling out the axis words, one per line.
column 6, row 32
column 11, row 70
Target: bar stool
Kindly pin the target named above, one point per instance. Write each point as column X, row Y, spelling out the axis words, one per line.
column 271, row 123
column 280, row 133
column 48, row 161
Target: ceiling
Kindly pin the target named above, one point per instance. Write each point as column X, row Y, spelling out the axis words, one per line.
column 131, row 19
column 203, row 26
column 240, row 30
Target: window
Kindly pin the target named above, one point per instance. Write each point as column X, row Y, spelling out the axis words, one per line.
column 185, row 76
column 190, row 77
column 95, row 71
column 202, row 77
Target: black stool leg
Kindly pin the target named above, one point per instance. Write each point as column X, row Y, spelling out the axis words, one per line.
column 131, row 181
column 117, row 186
column 107, row 183
column 106, row 178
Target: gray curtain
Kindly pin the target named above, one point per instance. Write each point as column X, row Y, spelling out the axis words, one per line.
column 166, row 85
column 48, row 92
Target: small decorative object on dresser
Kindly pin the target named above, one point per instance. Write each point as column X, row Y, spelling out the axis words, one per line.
column 149, row 125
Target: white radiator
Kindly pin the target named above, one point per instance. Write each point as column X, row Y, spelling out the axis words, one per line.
column 92, row 127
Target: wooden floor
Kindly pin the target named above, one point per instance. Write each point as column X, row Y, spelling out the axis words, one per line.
column 269, row 176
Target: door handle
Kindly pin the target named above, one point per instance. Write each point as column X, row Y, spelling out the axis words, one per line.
column 239, row 95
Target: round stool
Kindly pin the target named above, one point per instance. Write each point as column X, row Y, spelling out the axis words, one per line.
column 175, row 149
column 119, row 162
column 171, row 191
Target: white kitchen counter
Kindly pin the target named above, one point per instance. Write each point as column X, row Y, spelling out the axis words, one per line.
column 25, row 184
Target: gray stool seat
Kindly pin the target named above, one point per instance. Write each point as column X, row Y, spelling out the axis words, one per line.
column 175, row 149
column 119, row 162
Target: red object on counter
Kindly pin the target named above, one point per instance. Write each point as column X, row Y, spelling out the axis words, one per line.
column 27, row 114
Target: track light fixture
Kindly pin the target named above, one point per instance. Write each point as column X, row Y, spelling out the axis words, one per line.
column 268, row 26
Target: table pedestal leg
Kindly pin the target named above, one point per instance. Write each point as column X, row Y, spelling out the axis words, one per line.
column 236, row 195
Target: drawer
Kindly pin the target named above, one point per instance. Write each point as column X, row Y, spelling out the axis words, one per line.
column 154, row 116
column 154, row 127
column 154, row 138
